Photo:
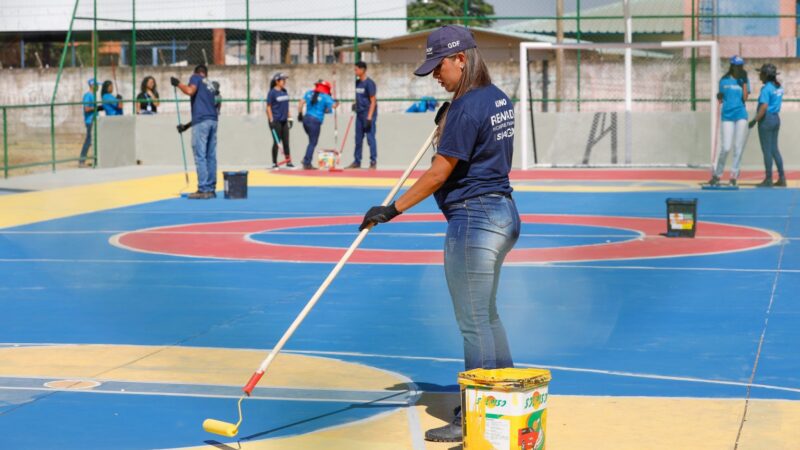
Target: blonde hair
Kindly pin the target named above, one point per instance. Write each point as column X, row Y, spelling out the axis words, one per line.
column 474, row 75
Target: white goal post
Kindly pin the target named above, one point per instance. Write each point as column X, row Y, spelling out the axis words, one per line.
column 525, row 131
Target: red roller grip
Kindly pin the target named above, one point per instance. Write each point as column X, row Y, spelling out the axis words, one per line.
column 248, row 388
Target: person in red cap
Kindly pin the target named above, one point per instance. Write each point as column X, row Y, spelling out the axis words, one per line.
column 469, row 180
column 318, row 102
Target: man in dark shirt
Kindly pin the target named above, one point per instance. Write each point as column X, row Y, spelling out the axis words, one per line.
column 366, row 107
column 204, row 130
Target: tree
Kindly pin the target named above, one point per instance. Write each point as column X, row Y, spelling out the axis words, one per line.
column 453, row 8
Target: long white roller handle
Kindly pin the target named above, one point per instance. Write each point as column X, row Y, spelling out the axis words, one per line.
column 256, row 377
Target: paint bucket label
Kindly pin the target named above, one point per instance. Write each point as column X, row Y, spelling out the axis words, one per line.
column 508, row 414
column 328, row 159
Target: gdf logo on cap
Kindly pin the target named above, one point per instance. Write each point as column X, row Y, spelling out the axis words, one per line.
column 446, row 41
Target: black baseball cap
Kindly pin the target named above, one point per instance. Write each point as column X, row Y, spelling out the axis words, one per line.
column 445, row 41
column 769, row 70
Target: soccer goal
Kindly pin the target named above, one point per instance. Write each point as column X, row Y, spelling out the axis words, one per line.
column 618, row 105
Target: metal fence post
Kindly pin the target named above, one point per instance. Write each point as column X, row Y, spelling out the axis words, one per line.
column 96, row 103
column 52, row 137
column 693, row 87
column 5, row 144
column 578, row 36
column 133, row 57
column 356, row 56
column 247, row 50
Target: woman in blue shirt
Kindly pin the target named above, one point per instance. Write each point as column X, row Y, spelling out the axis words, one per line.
column 319, row 102
column 278, row 117
column 469, row 180
column 112, row 104
column 769, row 124
column 734, row 88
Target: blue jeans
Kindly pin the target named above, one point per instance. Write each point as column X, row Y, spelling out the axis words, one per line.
column 312, row 127
column 204, row 145
column 361, row 122
column 86, row 143
column 768, row 137
column 480, row 233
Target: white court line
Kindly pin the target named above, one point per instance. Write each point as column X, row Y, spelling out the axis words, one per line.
column 461, row 361
column 562, row 368
column 547, row 265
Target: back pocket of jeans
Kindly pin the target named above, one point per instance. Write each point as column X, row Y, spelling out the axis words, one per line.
column 497, row 210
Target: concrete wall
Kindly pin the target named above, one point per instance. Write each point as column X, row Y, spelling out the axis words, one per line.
column 658, row 138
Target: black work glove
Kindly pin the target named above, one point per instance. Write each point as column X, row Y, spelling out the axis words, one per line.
column 174, row 81
column 379, row 214
column 291, row 123
column 441, row 112
column 368, row 126
column 353, row 107
column 274, row 124
column 119, row 97
column 752, row 123
column 720, row 96
column 182, row 128
column 100, row 108
column 300, row 116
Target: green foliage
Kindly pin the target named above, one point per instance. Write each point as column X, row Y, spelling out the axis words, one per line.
column 453, row 8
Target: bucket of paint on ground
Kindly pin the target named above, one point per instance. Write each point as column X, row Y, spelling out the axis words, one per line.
column 328, row 159
column 681, row 217
column 504, row 409
column 235, row 184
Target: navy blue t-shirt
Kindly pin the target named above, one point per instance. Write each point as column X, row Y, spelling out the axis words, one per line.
column 479, row 131
column 278, row 100
column 364, row 90
column 203, row 106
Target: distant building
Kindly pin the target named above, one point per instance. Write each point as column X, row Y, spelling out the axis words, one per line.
column 32, row 33
column 749, row 37
column 658, row 20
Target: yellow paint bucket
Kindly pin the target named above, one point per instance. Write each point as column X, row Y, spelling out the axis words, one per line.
column 504, row 409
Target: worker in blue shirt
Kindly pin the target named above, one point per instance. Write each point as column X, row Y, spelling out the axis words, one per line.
column 769, row 124
column 318, row 102
column 366, row 108
column 90, row 109
column 469, row 179
column 278, row 117
column 205, row 114
column 734, row 87
column 112, row 104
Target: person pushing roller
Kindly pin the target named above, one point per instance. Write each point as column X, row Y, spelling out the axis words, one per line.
column 469, row 180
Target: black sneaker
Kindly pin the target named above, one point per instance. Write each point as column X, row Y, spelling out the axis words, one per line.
column 781, row 182
column 373, row 166
column 733, row 182
column 448, row 433
column 766, row 183
column 308, row 167
column 290, row 165
column 201, row 195
column 714, row 181
column 354, row 165
column 275, row 166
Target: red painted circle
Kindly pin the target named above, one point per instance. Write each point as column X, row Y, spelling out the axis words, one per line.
column 230, row 240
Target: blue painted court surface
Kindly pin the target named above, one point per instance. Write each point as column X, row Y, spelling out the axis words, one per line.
column 666, row 327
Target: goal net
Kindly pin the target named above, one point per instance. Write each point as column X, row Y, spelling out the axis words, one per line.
column 635, row 105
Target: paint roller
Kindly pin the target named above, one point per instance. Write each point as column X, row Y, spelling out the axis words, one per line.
column 231, row 429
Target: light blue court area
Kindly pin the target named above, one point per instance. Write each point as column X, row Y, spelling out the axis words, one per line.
column 707, row 326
